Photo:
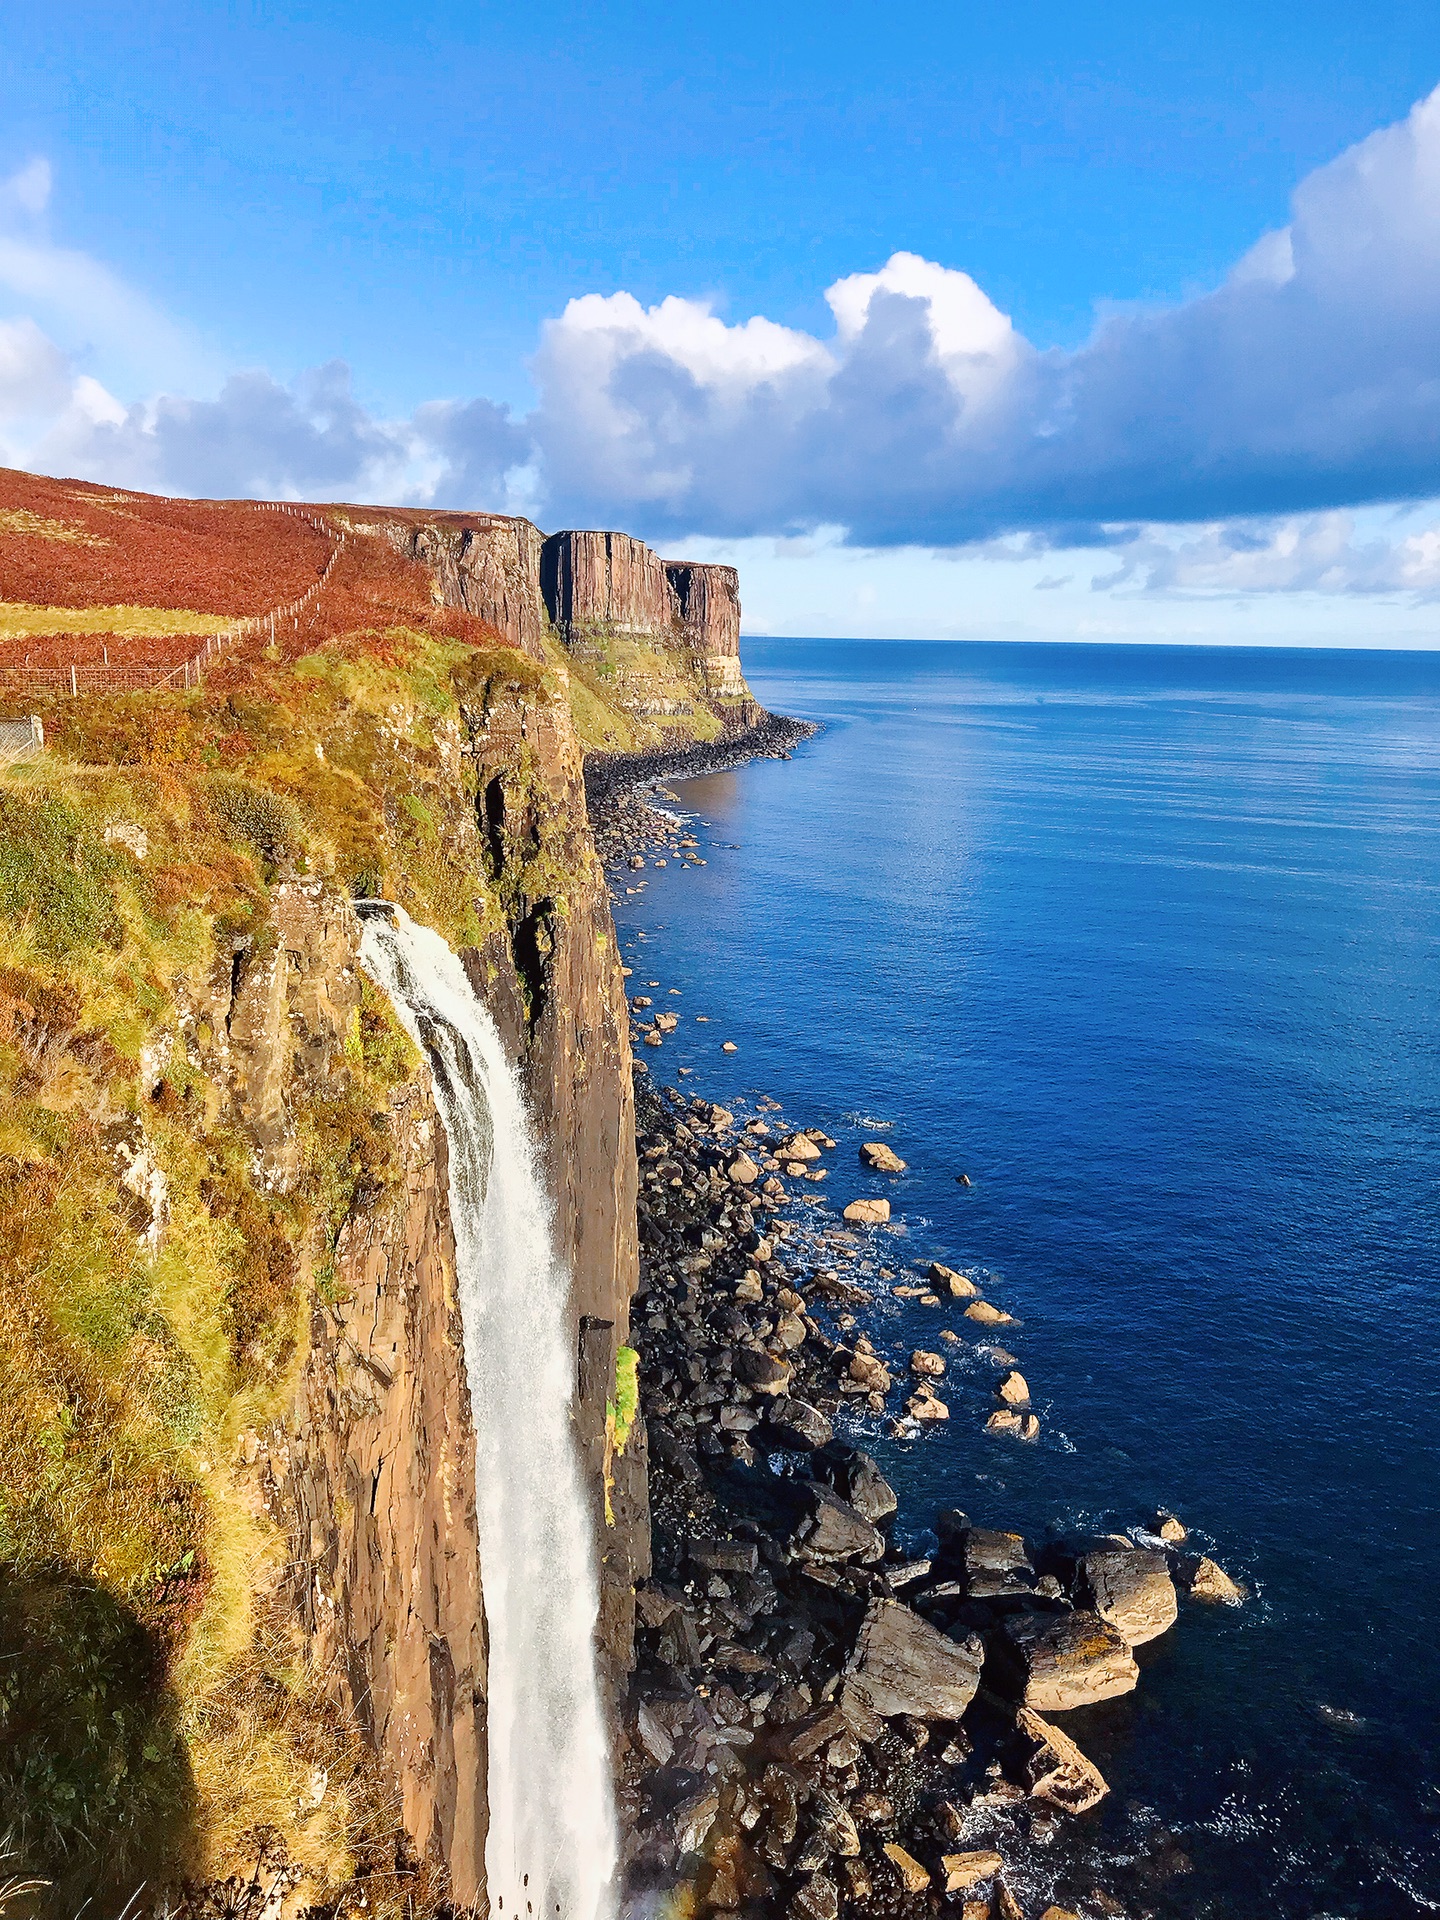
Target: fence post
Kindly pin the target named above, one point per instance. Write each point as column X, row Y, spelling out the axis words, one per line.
column 74, row 684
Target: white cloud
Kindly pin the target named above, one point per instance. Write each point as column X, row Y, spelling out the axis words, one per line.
column 27, row 191
column 1309, row 379
column 93, row 315
column 34, row 374
column 1212, row 452
column 1320, row 553
column 256, row 437
column 972, row 340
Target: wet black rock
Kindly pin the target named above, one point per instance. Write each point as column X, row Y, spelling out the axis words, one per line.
column 797, row 1425
column 760, row 1372
column 856, row 1478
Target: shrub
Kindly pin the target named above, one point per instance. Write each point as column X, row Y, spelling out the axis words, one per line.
column 265, row 821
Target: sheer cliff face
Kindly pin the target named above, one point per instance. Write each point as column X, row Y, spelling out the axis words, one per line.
column 708, row 598
column 598, row 584
column 605, row 580
column 487, row 563
column 656, row 641
column 372, row 1475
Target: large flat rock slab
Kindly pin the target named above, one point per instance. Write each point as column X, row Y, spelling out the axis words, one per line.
column 1056, row 1661
column 901, row 1664
column 1054, row 1767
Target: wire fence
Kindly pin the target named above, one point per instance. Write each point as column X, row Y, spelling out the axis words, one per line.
column 80, row 678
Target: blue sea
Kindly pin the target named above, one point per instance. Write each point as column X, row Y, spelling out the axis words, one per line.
column 1146, row 941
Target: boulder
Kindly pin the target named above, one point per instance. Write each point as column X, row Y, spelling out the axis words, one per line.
column 928, row 1365
column 1133, row 1591
column 799, row 1146
column 829, row 1529
column 880, row 1158
column 1054, row 1662
column 694, row 1818
column 1054, row 1768
column 926, row 1404
column 653, row 1737
column 833, row 1823
column 790, row 1331
column 667, row 1022
column 801, row 1739
column 818, row 1899
column 1013, row 1389
column 723, row 1556
column 901, row 1664
column 913, row 1876
column 989, row 1564
column 1170, row 1530
column 728, row 1046
column 757, row 1370
column 856, row 1478
column 743, row 1171
column 796, row 1424
column 868, row 1213
column 987, row 1315
column 871, row 1373
column 1202, row 1579
column 966, row 1870
column 953, row 1283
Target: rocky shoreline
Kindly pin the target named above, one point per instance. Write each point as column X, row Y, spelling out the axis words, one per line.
column 616, row 783
column 825, row 1715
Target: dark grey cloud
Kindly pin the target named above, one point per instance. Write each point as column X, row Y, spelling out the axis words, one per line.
column 479, row 443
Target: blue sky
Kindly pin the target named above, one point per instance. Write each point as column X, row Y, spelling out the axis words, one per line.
column 334, row 253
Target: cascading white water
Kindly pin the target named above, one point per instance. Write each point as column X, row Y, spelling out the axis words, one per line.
column 551, row 1849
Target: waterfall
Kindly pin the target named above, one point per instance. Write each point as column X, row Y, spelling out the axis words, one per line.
column 551, row 1848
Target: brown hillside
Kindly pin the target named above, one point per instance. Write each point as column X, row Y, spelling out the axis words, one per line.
column 68, row 546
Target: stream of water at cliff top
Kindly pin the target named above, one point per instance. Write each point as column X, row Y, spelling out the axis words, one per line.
column 551, row 1847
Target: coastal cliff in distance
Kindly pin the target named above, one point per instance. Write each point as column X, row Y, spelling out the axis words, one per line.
column 242, row 1611
column 654, row 644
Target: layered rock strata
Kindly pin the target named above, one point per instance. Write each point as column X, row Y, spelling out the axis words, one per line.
column 589, row 588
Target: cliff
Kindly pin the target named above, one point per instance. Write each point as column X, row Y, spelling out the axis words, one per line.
column 237, row 1502
column 652, row 645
